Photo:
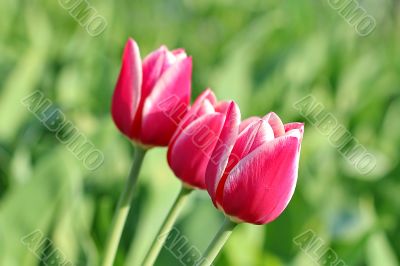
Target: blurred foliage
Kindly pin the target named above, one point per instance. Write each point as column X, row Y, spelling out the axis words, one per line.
column 266, row 55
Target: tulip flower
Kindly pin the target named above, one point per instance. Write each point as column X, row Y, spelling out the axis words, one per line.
column 190, row 150
column 253, row 179
column 192, row 144
column 139, row 107
column 150, row 98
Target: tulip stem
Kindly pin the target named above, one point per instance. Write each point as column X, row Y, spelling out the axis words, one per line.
column 124, row 205
column 218, row 242
column 166, row 227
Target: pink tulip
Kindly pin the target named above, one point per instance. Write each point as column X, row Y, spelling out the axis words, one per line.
column 253, row 178
column 192, row 144
column 152, row 96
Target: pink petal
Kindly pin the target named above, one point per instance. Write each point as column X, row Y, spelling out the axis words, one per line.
column 205, row 108
column 206, row 94
column 153, row 66
column 127, row 92
column 295, row 126
column 261, row 185
column 220, row 155
column 159, row 122
column 156, row 63
column 179, row 53
column 248, row 140
column 252, row 137
column 247, row 122
column 276, row 124
column 188, row 156
column 295, row 130
column 222, row 107
column 202, row 105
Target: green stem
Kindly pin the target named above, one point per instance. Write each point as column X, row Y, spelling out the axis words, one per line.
column 124, row 204
column 166, row 227
column 218, row 242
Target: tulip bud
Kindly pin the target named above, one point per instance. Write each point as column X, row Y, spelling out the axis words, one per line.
column 192, row 144
column 138, row 105
column 254, row 178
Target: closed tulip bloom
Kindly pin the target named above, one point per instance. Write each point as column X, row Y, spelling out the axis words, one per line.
column 192, row 144
column 254, row 178
column 151, row 96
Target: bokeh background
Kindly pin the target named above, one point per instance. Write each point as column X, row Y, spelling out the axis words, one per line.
column 266, row 55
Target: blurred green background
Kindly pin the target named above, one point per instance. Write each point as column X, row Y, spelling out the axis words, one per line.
column 266, row 55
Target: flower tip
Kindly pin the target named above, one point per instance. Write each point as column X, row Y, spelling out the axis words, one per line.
column 233, row 107
column 209, row 93
column 233, row 115
column 131, row 50
column 186, row 63
column 295, row 126
column 296, row 133
column 130, row 42
column 179, row 53
column 301, row 129
column 163, row 48
column 270, row 115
